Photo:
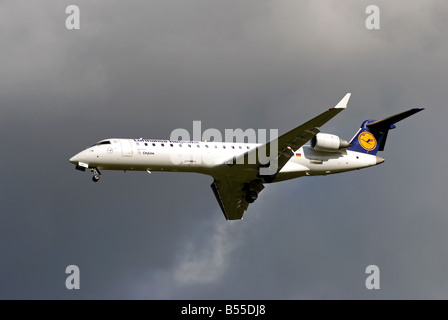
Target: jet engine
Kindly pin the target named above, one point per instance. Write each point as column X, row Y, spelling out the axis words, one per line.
column 328, row 142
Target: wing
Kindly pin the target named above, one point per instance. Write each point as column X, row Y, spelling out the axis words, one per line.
column 242, row 175
column 283, row 147
column 231, row 196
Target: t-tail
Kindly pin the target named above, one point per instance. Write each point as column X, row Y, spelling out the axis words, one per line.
column 372, row 135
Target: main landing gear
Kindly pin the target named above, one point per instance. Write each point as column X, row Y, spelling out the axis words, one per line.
column 251, row 196
column 96, row 174
column 252, row 190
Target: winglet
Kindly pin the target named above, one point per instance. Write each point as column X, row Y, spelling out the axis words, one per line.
column 343, row 103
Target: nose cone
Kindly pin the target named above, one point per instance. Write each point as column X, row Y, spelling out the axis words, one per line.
column 379, row 160
column 75, row 159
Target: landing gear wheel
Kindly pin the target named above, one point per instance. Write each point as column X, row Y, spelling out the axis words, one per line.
column 251, row 196
column 96, row 174
column 270, row 178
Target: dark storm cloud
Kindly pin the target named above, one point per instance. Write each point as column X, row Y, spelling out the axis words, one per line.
column 144, row 68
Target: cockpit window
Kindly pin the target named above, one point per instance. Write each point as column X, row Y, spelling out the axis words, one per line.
column 101, row 143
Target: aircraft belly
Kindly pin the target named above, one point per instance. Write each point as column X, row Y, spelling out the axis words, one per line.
column 149, row 161
column 293, row 167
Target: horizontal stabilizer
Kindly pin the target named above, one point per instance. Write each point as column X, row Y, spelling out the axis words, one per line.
column 386, row 124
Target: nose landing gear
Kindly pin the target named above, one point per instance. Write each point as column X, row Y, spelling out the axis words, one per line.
column 96, row 174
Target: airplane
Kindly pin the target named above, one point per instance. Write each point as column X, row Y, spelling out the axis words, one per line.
column 239, row 173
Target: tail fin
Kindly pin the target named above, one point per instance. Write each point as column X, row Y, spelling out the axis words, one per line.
column 372, row 135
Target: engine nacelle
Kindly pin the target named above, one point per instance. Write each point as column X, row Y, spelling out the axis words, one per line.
column 328, row 142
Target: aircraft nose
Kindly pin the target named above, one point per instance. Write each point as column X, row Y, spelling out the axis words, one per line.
column 75, row 159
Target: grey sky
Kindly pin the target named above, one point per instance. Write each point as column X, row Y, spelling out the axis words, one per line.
column 143, row 68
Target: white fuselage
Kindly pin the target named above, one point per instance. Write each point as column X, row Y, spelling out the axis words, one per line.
column 209, row 157
column 240, row 170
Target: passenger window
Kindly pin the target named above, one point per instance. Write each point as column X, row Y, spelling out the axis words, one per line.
column 162, row 144
column 146, row 144
column 171, row 145
column 206, row 145
column 198, row 146
column 189, row 146
column 153, row 144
